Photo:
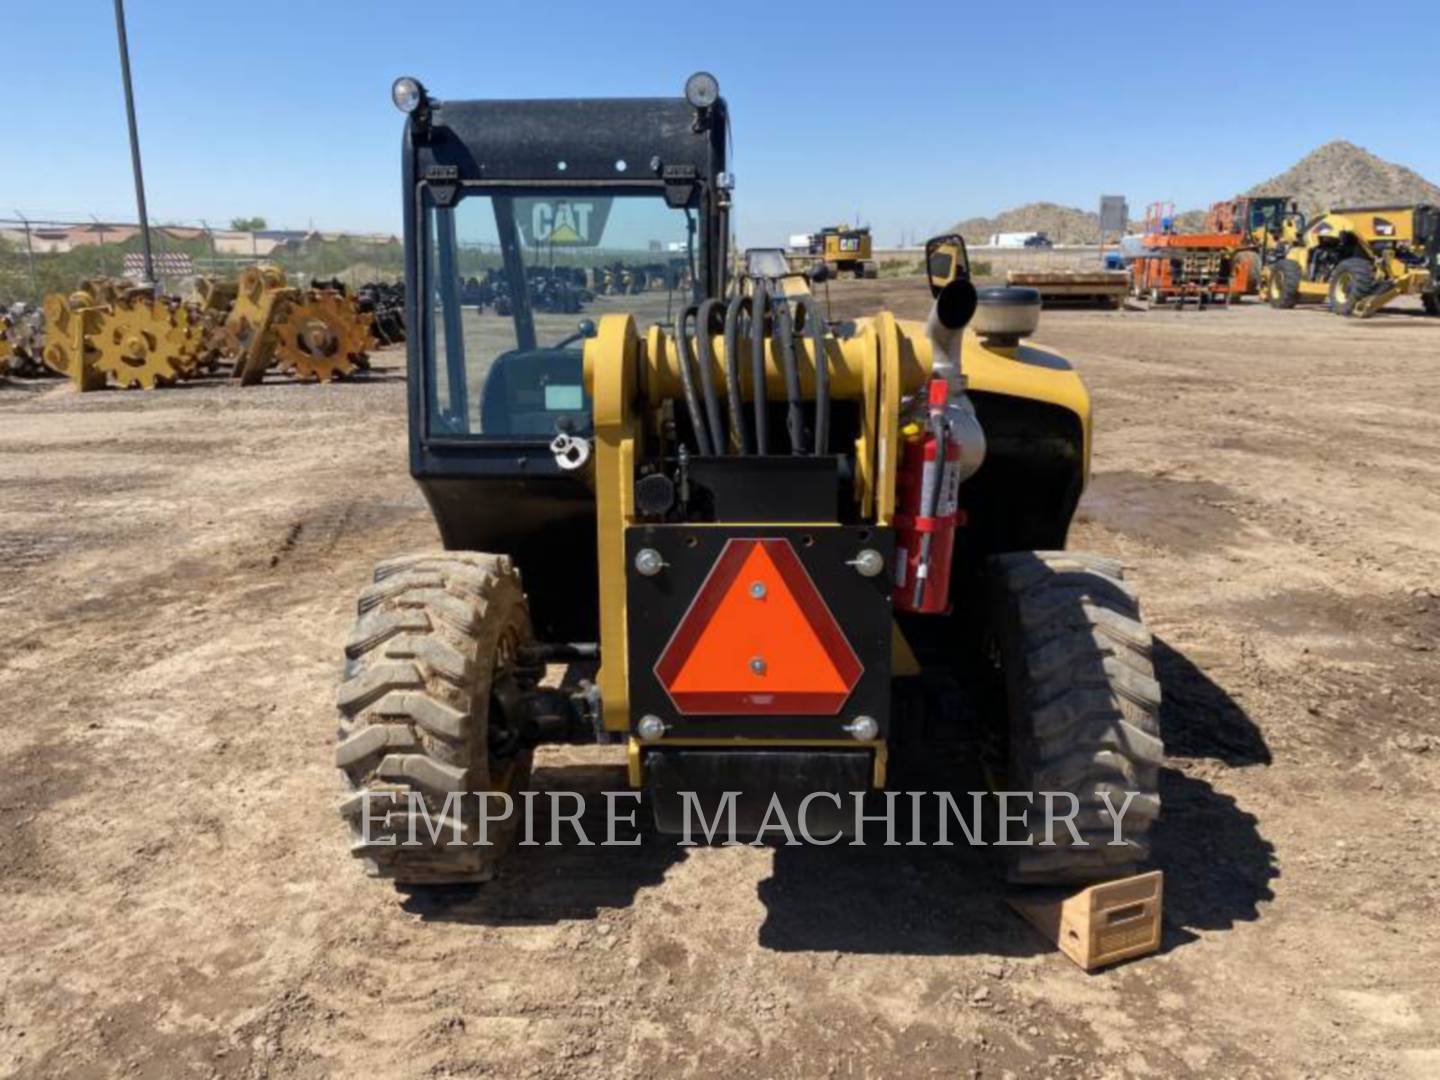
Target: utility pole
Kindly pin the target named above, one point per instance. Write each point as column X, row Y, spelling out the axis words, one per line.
column 134, row 140
column 100, row 229
column 214, row 251
column 30, row 258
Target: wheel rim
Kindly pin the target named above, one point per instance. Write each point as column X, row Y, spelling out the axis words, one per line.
column 504, row 772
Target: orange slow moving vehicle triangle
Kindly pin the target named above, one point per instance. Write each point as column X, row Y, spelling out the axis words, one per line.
column 758, row 639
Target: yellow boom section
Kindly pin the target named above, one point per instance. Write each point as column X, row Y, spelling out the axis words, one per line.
column 884, row 361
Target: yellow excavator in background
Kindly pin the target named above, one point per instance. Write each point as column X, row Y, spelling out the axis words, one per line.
column 843, row 250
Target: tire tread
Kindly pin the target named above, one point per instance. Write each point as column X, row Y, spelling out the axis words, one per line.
column 1084, row 707
column 413, row 704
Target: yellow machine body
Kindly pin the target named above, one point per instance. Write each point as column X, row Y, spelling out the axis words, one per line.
column 847, row 590
column 846, row 245
column 1358, row 259
column 887, row 359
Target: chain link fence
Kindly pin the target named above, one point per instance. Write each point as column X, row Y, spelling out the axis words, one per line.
column 38, row 257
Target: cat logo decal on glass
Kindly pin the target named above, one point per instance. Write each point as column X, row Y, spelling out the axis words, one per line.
column 565, row 222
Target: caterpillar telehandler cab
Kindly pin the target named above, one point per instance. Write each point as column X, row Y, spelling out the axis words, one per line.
column 1259, row 222
column 759, row 549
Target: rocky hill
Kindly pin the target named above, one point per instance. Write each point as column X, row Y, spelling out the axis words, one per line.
column 1343, row 174
column 1337, row 174
column 1063, row 224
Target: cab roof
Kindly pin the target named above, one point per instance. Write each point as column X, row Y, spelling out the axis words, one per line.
column 624, row 141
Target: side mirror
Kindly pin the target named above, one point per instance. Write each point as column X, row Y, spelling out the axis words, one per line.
column 586, row 328
column 819, row 272
column 946, row 260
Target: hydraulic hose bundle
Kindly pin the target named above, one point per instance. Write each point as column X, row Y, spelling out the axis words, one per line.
column 759, row 307
column 703, row 422
column 738, row 306
column 807, row 318
column 783, row 335
column 746, row 317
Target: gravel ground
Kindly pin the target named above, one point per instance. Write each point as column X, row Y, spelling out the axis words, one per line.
column 177, row 573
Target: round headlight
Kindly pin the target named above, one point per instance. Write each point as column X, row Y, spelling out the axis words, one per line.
column 407, row 94
column 702, row 90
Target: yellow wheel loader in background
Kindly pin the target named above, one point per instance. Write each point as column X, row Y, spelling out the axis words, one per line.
column 775, row 554
column 1357, row 260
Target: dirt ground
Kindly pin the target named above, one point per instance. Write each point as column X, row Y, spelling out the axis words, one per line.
column 177, row 572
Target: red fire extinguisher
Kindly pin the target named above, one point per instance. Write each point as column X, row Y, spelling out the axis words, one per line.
column 927, row 511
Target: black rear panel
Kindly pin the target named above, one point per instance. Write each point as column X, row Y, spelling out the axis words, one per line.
column 779, row 488
column 546, row 523
column 702, row 777
column 859, row 605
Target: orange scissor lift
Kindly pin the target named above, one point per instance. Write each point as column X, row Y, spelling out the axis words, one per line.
column 1187, row 266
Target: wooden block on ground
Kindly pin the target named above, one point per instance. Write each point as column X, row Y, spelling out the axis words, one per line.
column 1102, row 924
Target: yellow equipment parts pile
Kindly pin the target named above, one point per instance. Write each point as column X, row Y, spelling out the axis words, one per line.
column 112, row 332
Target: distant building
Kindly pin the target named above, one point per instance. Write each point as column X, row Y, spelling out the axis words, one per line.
column 268, row 242
column 282, row 241
column 99, row 233
column 47, row 239
column 180, row 232
column 59, row 239
column 352, row 238
column 235, row 242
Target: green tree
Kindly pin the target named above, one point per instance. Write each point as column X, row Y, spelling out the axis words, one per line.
column 247, row 224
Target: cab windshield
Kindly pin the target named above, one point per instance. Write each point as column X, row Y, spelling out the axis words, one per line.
column 1266, row 213
column 514, row 283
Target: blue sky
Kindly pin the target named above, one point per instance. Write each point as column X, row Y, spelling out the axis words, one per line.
column 911, row 115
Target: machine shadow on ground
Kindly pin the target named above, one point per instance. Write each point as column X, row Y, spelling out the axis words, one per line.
column 918, row 900
column 1218, row 866
column 1199, row 719
column 543, row 884
column 924, row 901
column 935, row 900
